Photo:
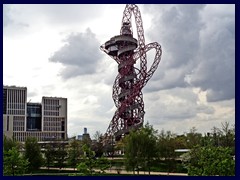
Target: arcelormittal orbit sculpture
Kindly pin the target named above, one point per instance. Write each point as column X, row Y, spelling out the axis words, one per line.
column 127, row 95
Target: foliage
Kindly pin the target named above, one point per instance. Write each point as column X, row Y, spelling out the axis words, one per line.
column 131, row 151
column 60, row 155
column 97, row 145
column 210, row 160
column 224, row 137
column 49, row 154
column 83, row 168
column 74, row 152
column 120, row 146
column 166, row 149
column 33, row 153
column 14, row 163
column 149, row 148
column 140, row 148
column 102, row 163
column 9, row 143
column 88, row 161
column 193, row 138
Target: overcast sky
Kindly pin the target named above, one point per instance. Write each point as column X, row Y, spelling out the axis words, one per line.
column 53, row 50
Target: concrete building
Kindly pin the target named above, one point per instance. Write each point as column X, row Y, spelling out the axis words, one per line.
column 45, row 121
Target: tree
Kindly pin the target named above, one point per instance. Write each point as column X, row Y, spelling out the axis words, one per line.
column 97, row 136
column 181, row 142
column 131, row 151
column 49, row 154
column 83, row 169
column 97, row 145
column 74, row 152
column 224, row 136
column 193, row 138
column 9, row 143
column 211, row 161
column 33, row 153
column 120, row 146
column 88, row 160
column 14, row 163
column 148, row 139
column 102, row 163
column 60, row 155
column 227, row 138
column 140, row 148
column 166, row 148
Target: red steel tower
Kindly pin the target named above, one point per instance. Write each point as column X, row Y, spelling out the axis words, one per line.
column 127, row 95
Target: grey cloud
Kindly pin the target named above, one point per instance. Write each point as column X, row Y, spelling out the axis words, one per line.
column 6, row 15
column 55, row 14
column 216, row 70
column 48, row 90
column 204, row 109
column 177, row 29
column 11, row 24
column 68, row 13
column 80, row 54
column 197, row 41
column 32, row 94
column 174, row 104
column 23, row 18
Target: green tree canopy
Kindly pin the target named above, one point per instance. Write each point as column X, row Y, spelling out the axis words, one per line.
column 211, row 161
column 88, row 161
column 74, row 152
column 14, row 163
column 49, row 154
column 33, row 153
column 140, row 148
column 60, row 155
column 9, row 143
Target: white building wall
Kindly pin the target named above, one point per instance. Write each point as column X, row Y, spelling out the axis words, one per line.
column 54, row 115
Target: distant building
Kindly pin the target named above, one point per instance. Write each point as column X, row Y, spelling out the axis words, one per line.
column 45, row 121
column 84, row 136
column 79, row 137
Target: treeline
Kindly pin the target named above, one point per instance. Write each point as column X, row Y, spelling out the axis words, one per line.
column 28, row 157
column 210, row 154
column 144, row 150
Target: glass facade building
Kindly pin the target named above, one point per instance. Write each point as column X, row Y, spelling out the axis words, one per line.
column 34, row 116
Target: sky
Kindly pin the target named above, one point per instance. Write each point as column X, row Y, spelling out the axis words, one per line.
column 53, row 50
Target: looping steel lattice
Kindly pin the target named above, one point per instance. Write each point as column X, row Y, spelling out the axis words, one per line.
column 127, row 95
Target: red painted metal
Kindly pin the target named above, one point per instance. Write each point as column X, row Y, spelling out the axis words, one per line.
column 127, row 95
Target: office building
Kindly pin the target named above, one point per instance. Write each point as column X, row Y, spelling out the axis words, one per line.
column 45, row 121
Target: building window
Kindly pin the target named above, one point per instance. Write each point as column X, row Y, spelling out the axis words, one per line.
column 7, row 123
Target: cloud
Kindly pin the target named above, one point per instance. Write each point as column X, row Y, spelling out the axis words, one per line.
column 177, row 29
column 198, row 51
column 198, row 42
column 174, row 104
column 32, row 94
column 56, row 14
column 6, row 15
column 80, row 55
column 11, row 25
column 216, row 70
